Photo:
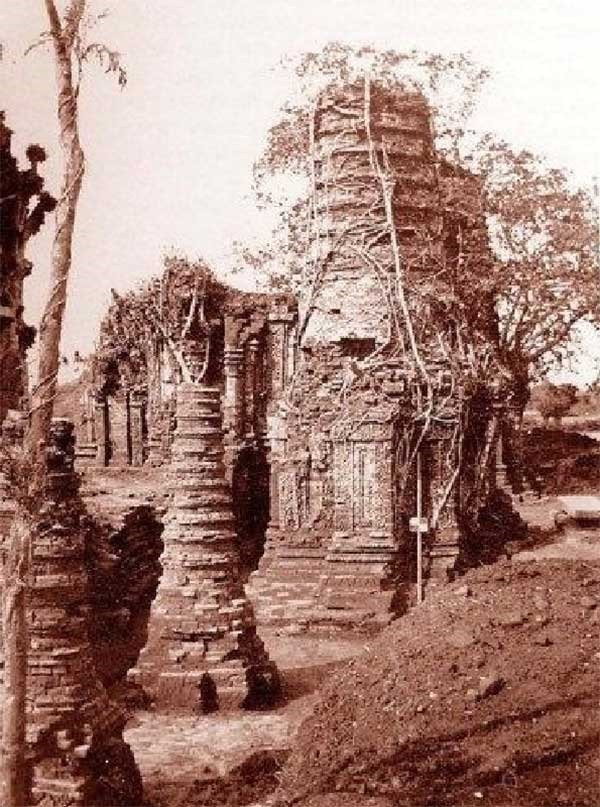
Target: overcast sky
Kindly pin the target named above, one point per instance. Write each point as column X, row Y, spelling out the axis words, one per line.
column 169, row 159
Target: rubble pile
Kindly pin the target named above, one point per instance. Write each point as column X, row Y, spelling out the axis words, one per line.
column 122, row 558
column 74, row 730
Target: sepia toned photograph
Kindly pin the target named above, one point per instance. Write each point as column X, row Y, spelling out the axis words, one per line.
column 299, row 403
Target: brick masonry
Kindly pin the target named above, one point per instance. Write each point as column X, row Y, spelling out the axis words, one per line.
column 203, row 648
column 74, row 730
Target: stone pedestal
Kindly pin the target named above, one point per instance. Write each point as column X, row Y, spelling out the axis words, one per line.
column 202, row 649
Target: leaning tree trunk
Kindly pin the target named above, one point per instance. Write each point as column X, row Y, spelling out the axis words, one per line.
column 43, row 395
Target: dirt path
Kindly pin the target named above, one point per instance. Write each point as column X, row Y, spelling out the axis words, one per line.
column 174, row 751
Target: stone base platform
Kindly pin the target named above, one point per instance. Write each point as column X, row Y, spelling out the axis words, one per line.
column 351, row 584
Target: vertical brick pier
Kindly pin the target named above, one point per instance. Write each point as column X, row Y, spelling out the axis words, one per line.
column 77, row 754
column 203, row 650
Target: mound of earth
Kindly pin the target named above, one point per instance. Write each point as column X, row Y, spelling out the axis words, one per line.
column 254, row 779
column 485, row 694
column 556, row 444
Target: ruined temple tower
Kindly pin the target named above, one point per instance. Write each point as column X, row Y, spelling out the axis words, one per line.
column 203, row 649
column 322, row 404
column 338, row 545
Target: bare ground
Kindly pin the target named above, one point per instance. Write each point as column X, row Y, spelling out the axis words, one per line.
column 540, row 737
column 234, row 758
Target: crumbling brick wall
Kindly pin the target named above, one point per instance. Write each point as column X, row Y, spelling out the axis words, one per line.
column 74, row 730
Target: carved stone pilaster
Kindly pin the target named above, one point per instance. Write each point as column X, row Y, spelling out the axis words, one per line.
column 251, row 407
column 282, row 329
column 233, row 399
column 101, row 429
column 137, row 403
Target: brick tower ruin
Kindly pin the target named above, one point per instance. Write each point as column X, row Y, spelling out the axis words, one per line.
column 338, row 549
column 202, row 648
column 74, row 730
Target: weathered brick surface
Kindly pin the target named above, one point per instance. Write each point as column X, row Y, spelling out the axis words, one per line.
column 337, row 519
column 74, row 730
column 350, row 220
column 202, row 633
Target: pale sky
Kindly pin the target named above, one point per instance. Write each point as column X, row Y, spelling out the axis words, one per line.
column 169, row 159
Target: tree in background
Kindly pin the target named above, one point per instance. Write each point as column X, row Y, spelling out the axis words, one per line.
column 553, row 400
column 547, row 275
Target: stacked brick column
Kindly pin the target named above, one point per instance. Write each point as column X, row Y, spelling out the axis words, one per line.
column 202, row 644
column 74, row 732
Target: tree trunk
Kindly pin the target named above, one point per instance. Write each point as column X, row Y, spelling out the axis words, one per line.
column 14, row 757
column 43, row 395
column 14, row 628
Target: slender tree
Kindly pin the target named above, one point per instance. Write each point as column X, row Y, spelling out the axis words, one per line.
column 67, row 35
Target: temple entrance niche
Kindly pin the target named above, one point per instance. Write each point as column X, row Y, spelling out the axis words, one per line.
column 364, row 555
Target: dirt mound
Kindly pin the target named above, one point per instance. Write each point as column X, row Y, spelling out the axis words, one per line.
column 556, row 444
column 576, row 474
column 485, row 694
